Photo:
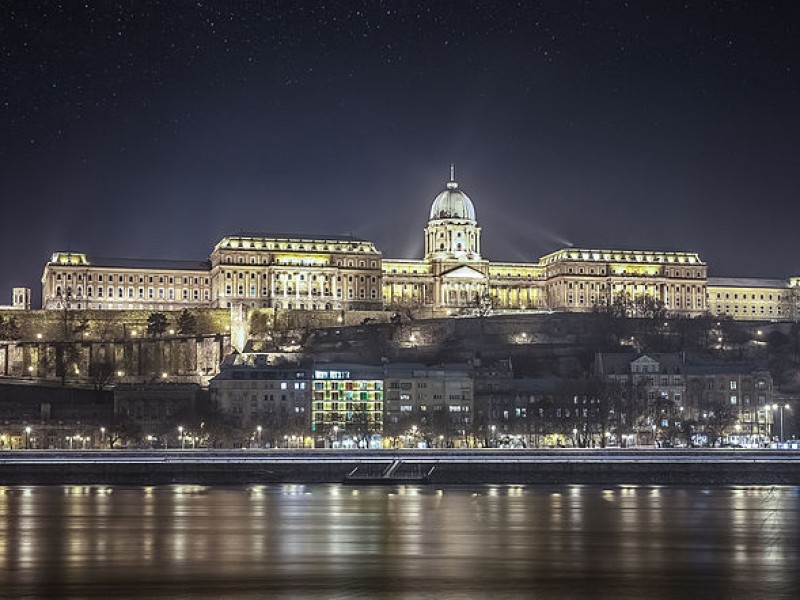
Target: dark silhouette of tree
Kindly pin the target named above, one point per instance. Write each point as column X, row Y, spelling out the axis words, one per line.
column 692, row 333
column 439, row 424
column 735, row 335
column 9, row 329
column 123, row 430
column 539, row 420
column 720, row 417
column 780, row 357
column 186, row 323
column 102, row 374
column 156, row 324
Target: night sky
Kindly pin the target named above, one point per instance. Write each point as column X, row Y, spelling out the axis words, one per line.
column 152, row 129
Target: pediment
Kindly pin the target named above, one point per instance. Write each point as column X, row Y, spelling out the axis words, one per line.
column 644, row 359
column 464, row 272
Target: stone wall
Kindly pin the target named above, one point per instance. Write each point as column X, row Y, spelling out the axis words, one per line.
column 177, row 358
column 108, row 324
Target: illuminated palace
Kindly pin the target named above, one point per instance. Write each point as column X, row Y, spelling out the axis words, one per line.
column 342, row 273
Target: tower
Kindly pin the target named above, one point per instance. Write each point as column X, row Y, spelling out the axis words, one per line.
column 452, row 233
column 453, row 251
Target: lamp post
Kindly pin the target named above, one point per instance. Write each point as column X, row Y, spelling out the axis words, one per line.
column 180, row 434
column 781, row 407
column 336, row 436
column 494, row 436
column 102, row 436
column 786, row 406
column 258, row 430
column 27, row 438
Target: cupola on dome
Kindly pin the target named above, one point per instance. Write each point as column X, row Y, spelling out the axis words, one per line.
column 452, row 203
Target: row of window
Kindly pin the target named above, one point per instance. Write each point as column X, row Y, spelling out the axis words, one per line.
column 111, row 278
column 667, row 272
column 677, row 303
column 289, row 291
column 300, row 276
column 771, row 310
column 778, row 297
column 132, row 293
column 746, row 400
column 373, row 264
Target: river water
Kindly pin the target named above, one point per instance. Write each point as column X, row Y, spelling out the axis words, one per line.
column 323, row 541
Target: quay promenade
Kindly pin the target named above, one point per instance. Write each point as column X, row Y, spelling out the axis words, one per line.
column 441, row 467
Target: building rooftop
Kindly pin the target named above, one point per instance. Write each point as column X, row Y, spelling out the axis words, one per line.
column 411, row 370
column 295, row 237
column 536, row 385
column 723, row 369
column 618, row 363
column 148, row 263
column 81, row 260
column 747, row 282
column 629, row 256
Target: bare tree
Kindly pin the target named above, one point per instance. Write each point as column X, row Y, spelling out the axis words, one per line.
column 720, row 418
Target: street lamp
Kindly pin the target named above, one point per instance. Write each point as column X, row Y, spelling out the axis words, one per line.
column 183, row 440
column 102, row 436
column 776, row 407
column 336, row 435
column 258, row 429
column 494, row 435
column 27, row 438
column 574, row 436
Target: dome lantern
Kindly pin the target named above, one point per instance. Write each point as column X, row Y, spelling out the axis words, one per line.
column 452, row 203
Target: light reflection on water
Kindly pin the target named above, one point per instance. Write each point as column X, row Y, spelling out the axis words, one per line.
column 453, row 542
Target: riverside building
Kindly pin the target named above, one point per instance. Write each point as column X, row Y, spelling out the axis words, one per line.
column 344, row 273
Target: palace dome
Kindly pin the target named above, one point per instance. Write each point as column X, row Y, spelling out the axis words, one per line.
column 452, row 203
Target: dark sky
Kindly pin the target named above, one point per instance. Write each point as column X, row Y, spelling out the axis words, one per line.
column 151, row 129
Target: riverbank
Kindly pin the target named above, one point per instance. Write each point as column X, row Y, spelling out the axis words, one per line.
column 443, row 467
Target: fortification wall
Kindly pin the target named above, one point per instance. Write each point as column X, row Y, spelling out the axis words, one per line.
column 108, row 324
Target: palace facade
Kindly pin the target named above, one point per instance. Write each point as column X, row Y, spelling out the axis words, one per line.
column 342, row 273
